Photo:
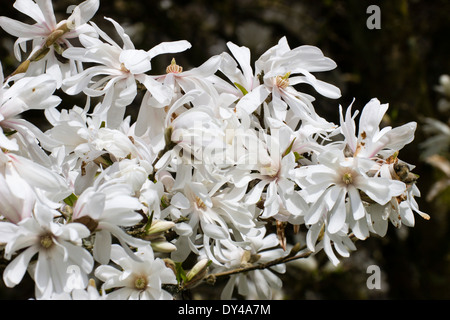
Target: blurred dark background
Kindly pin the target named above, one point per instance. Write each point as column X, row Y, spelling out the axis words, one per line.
column 400, row 64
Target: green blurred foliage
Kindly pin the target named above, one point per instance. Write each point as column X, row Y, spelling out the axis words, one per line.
column 399, row 64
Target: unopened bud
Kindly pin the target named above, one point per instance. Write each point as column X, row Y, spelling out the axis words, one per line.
column 163, row 246
column 159, row 226
column 197, row 273
column 54, row 36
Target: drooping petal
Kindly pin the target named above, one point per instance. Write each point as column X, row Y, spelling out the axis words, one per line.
column 356, row 204
column 338, row 214
column 16, row 269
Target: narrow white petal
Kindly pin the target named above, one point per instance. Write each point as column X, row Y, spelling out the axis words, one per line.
column 169, row 47
column 338, row 214
column 356, row 204
column 20, row 29
column 252, row 100
column 16, row 269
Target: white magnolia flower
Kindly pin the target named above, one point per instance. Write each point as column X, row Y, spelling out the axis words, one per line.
column 105, row 208
column 89, row 293
column 213, row 215
column 275, row 165
column 319, row 237
column 29, row 93
column 336, row 180
column 140, row 278
column 47, row 183
column 371, row 141
column 195, row 131
column 256, row 284
column 119, row 67
column 272, row 76
column 180, row 83
column 58, row 247
column 46, row 25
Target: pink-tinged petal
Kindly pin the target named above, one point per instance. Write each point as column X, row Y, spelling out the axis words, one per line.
column 20, row 29
column 17, row 199
column 16, row 269
column 46, row 7
column 41, row 177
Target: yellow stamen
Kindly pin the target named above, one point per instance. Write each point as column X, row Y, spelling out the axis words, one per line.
column 347, row 178
column 282, row 81
column 173, row 67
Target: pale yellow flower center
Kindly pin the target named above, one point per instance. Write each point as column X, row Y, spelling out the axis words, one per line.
column 140, row 283
column 347, row 178
column 199, row 203
column 46, row 241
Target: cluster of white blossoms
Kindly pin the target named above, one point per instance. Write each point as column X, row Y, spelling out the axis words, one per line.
column 219, row 161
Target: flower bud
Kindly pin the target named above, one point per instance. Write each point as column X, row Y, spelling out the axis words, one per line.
column 197, row 273
column 159, row 226
column 163, row 246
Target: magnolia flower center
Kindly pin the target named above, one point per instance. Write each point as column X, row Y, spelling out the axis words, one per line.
column 282, row 82
column 123, row 68
column 347, row 178
column 46, row 241
column 173, row 67
column 199, row 203
column 140, row 283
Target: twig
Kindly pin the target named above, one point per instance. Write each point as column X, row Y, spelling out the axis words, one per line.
column 292, row 255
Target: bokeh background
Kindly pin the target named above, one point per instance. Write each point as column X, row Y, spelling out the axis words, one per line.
column 400, row 64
